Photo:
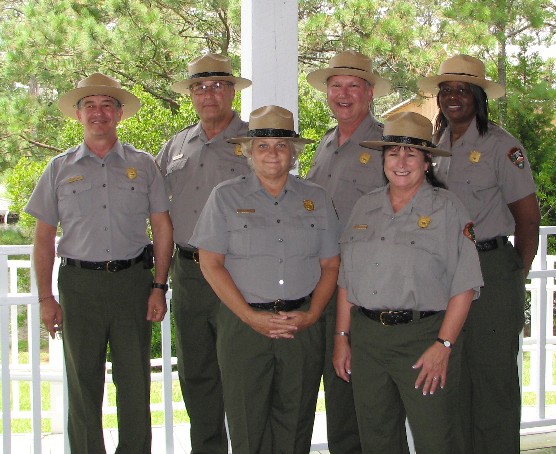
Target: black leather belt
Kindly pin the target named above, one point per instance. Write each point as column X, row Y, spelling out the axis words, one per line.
column 280, row 305
column 189, row 253
column 494, row 243
column 111, row 266
column 396, row 317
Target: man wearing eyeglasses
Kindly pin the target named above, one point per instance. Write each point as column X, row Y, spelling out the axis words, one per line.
column 194, row 161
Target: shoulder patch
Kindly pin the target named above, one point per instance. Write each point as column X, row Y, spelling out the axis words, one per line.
column 517, row 157
column 469, row 232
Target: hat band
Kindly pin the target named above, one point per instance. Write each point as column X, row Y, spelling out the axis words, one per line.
column 271, row 132
column 210, row 74
column 460, row 74
column 349, row 67
column 408, row 141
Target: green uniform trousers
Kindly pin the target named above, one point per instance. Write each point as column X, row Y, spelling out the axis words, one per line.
column 195, row 305
column 270, row 386
column 341, row 422
column 103, row 309
column 491, row 398
column 384, row 387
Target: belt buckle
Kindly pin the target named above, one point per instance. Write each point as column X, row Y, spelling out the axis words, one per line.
column 381, row 315
column 277, row 305
column 195, row 255
column 112, row 266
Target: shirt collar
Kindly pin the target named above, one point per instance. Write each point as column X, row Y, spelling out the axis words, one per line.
column 84, row 151
column 235, row 128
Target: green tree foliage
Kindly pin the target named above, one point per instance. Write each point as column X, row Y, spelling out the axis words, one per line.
column 48, row 45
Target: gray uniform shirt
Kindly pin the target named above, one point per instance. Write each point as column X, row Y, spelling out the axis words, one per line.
column 349, row 171
column 487, row 173
column 193, row 166
column 101, row 204
column 417, row 258
column 272, row 245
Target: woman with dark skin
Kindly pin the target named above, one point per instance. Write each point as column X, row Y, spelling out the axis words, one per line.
column 490, row 173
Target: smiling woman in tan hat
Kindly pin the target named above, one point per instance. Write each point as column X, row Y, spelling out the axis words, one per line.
column 268, row 246
column 490, row 173
column 408, row 275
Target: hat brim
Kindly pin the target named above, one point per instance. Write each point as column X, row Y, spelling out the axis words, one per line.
column 240, row 140
column 378, row 144
column 67, row 103
column 183, row 86
column 430, row 84
column 318, row 78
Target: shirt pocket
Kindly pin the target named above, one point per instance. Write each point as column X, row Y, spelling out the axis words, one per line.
column 74, row 200
column 176, row 165
column 231, row 168
column 352, row 242
column 362, row 180
column 131, row 197
column 310, row 230
column 247, row 235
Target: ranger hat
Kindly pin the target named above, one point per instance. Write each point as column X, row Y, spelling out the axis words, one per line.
column 271, row 122
column 461, row 68
column 407, row 129
column 210, row 67
column 350, row 63
column 100, row 85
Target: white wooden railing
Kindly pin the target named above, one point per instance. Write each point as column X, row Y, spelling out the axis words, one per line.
column 539, row 345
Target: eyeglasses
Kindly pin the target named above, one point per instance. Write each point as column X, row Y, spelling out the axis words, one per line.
column 460, row 91
column 216, row 87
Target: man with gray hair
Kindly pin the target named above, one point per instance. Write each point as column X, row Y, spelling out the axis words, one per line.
column 194, row 161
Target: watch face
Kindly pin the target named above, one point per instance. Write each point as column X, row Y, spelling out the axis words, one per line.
column 447, row 344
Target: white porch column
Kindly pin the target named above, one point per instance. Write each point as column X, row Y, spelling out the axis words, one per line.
column 269, row 54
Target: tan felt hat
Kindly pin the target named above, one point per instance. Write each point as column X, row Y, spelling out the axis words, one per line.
column 101, row 85
column 461, row 68
column 350, row 63
column 407, row 129
column 271, row 122
column 210, row 67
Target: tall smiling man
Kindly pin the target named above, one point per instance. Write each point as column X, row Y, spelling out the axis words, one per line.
column 347, row 171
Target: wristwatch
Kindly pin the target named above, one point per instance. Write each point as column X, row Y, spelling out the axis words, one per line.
column 163, row 287
column 445, row 342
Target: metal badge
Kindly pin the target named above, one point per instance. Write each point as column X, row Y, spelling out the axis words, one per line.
column 364, row 158
column 76, row 178
column 237, row 150
column 361, row 226
column 178, row 156
column 245, row 210
column 517, row 157
column 469, row 232
column 309, row 205
column 131, row 173
column 424, row 222
column 475, row 156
